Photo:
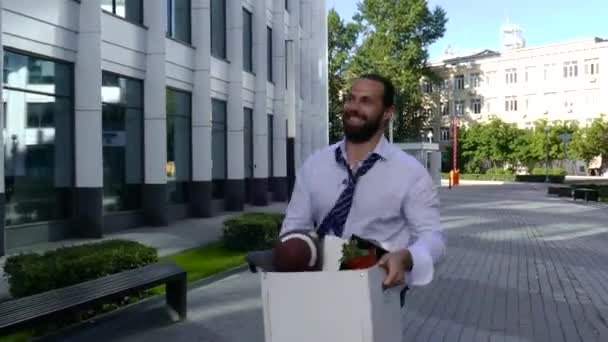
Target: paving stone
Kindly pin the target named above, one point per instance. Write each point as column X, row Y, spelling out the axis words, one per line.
column 521, row 266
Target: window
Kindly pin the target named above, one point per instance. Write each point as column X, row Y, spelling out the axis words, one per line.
column 270, row 146
column 219, row 146
column 459, row 107
column 247, row 41
column 592, row 66
column 476, row 106
column 490, row 76
column 132, row 10
column 427, row 87
column 179, row 111
column 459, row 82
column 178, row 20
column 530, row 70
column 511, row 76
column 218, row 28
column 269, row 56
column 475, row 80
column 248, row 140
column 38, row 144
column 569, row 101
column 570, row 69
column 511, row 104
column 445, row 109
column 445, row 134
column 286, row 61
column 122, row 134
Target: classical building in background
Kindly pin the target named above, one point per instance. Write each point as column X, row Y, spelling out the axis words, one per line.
column 123, row 113
column 559, row 82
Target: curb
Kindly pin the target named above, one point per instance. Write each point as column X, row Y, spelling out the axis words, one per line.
column 153, row 300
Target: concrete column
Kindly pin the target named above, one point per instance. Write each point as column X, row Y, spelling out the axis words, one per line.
column 201, row 188
column 235, row 184
column 323, row 70
column 155, row 124
column 259, row 185
column 293, row 95
column 279, row 185
column 307, row 109
column 318, row 44
column 88, row 191
column 2, row 188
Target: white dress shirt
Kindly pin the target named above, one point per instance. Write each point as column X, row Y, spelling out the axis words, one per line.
column 395, row 204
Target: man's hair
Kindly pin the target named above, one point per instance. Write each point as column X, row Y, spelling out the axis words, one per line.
column 389, row 89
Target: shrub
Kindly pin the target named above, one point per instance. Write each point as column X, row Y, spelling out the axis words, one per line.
column 541, row 171
column 252, row 231
column 498, row 171
column 33, row 273
column 539, row 178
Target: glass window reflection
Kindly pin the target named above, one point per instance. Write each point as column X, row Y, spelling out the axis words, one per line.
column 38, row 139
column 122, row 138
column 178, row 145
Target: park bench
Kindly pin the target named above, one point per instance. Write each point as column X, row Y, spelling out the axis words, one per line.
column 560, row 191
column 586, row 194
column 24, row 312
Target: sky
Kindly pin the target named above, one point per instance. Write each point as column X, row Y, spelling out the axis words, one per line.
column 474, row 25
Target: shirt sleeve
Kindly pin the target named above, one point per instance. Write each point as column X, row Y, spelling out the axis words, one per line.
column 299, row 213
column 421, row 209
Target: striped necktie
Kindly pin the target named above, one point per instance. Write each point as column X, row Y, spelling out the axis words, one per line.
column 335, row 219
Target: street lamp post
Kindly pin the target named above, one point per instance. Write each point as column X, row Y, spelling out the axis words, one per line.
column 547, row 154
column 430, row 136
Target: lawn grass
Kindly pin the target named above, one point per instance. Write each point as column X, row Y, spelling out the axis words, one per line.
column 204, row 261
column 199, row 263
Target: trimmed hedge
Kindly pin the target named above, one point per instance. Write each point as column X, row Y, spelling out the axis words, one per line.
column 483, row 177
column 33, row 273
column 252, row 231
column 541, row 171
column 508, row 178
column 540, row 178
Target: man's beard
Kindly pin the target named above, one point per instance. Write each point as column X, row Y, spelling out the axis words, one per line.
column 361, row 134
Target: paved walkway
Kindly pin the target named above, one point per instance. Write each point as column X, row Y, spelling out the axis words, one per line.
column 521, row 267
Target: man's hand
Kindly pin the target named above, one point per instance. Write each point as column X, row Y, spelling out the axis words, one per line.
column 396, row 264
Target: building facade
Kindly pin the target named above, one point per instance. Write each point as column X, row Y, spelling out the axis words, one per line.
column 560, row 83
column 123, row 113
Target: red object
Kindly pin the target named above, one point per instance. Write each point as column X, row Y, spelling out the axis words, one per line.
column 295, row 252
column 454, row 143
column 361, row 263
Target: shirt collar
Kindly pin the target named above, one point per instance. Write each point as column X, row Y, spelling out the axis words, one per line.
column 382, row 148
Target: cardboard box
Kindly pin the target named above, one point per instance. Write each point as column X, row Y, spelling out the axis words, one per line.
column 330, row 305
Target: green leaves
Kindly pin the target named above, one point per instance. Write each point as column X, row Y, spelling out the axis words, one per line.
column 499, row 143
column 342, row 39
column 395, row 36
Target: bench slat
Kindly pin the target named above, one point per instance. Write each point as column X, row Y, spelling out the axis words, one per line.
column 133, row 276
column 55, row 300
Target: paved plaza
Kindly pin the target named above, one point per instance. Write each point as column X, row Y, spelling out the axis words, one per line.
column 520, row 267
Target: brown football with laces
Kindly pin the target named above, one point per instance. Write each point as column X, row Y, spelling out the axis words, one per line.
column 295, row 252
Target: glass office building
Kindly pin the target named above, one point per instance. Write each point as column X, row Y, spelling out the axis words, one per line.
column 120, row 114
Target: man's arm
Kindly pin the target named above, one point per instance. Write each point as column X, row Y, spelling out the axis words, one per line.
column 421, row 209
column 299, row 214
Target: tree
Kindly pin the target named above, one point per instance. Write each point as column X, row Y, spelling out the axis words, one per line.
column 591, row 142
column 554, row 142
column 342, row 39
column 396, row 37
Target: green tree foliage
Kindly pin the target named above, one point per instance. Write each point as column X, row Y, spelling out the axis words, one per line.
column 342, row 38
column 592, row 141
column 396, row 35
